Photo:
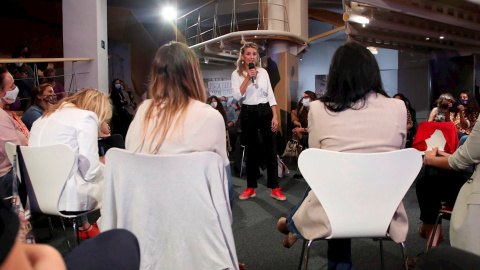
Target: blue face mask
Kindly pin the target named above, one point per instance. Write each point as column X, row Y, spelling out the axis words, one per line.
column 118, row 86
column 224, row 104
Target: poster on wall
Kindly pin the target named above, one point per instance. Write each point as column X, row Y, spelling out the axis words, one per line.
column 218, row 86
column 320, row 85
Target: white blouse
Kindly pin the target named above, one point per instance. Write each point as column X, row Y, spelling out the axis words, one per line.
column 78, row 129
column 259, row 93
column 203, row 130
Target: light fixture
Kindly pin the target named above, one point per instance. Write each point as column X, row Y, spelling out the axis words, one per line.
column 441, row 36
column 206, row 60
column 427, row 38
column 350, row 16
column 169, row 13
column 373, row 50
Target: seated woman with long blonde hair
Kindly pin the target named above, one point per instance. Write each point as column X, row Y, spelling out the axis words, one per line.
column 176, row 119
column 75, row 121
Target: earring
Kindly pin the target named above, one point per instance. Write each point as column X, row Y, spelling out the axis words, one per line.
column 243, row 62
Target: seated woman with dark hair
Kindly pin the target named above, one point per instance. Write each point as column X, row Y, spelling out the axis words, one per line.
column 41, row 98
column 355, row 115
column 300, row 118
column 215, row 102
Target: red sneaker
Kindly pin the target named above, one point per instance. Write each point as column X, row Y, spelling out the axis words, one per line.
column 91, row 232
column 249, row 192
column 277, row 194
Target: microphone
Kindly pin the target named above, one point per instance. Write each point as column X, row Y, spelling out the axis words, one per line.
column 252, row 66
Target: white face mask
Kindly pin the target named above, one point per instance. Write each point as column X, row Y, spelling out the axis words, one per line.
column 11, row 96
column 306, row 102
column 19, row 64
column 214, row 104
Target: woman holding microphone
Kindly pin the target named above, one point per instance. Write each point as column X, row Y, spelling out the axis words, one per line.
column 251, row 85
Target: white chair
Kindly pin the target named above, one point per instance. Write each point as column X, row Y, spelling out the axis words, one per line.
column 359, row 192
column 177, row 206
column 47, row 168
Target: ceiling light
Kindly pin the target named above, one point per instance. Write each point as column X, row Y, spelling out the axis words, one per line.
column 169, row 13
column 427, row 38
column 350, row 16
column 373, row 50
column 442, row 37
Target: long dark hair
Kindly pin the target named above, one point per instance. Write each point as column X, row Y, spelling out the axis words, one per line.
column 405, row 100
column 219, row 107
column 301, row 112
column 38, row 90
column 353, row 73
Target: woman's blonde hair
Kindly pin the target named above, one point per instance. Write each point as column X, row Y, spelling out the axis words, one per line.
column 175, row 78
column 87, row 99
column 240, row 63
column 443, row 96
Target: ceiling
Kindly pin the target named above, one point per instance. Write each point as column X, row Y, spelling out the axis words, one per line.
column 406, row 25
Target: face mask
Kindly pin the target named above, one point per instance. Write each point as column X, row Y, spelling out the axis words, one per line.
column 11, row 96
column 306, row 102
column 463, row 102
column 214, row 104
column 118, row 86
column 50, row 99
column 18, row 64
column 224, row 103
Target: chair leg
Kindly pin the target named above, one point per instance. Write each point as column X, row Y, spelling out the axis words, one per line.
column 382, row 260
column 402, row 245
column 306, row 254
column 50, row 226
column 75, row 231
column 432, row 237
column 65, row 231
column 243, row 157
column 301, row 254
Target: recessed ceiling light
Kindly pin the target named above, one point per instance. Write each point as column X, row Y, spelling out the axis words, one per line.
column 442, row 37
column 427, row 38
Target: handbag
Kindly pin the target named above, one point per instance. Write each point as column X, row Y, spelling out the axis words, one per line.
column 292, row 149
column 282, row 168
column 464, row 232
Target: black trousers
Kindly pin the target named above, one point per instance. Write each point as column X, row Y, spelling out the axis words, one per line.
column 255, row 118
column 437, row 186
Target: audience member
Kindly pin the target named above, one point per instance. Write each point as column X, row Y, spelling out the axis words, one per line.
column 354, row 110
column 300, row 118
column 411, row 119
column 22, row 73
column 130, row 106
column 214, row 101
column 75, row 121
column 232, row 118
column 441, row 113
column 41, row 98
column 176, row 119
column 445, row 185
column 121, row 118
column 251, row 83
column 465, row 116
column 49, row 75
column 10, row 131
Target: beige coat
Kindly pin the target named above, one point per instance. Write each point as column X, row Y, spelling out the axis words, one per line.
column 464, row 232
column 380, row 126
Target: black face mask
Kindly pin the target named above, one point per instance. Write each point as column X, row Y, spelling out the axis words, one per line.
column 444, row 106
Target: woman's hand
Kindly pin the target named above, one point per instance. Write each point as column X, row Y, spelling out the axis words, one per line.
column 429, row 155
column 274, row 124
column 299, row 130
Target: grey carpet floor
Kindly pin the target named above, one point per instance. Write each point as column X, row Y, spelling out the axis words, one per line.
column 259, row 244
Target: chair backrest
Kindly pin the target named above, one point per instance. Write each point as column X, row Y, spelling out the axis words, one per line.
column 359, row 192
column 436, row 134
column 177, row 206
column 47, row 170
column 11, row 150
